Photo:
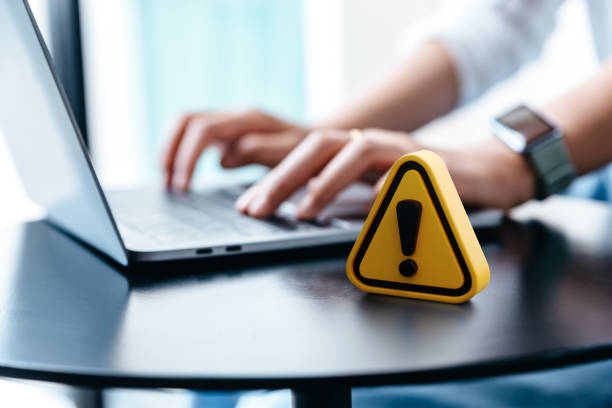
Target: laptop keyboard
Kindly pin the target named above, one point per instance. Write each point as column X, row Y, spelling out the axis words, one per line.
column 184, row 217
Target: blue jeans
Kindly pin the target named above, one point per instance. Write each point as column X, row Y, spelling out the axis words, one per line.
column 582, row 385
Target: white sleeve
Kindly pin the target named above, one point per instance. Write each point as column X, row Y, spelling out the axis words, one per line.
column 488, row 40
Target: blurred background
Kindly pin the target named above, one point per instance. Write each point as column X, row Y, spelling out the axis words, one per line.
column 144, row 62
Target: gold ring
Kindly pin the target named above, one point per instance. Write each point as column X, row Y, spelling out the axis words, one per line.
column 355, row 134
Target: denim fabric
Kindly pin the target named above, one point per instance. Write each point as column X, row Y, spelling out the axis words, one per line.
column 583, row 385
column 214, row 399
column 596, row 185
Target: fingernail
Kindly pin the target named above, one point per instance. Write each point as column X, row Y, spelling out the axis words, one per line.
column 259, row 206
column 174, row 182
column 312, row 183
column 184, row 184
column 242, row 202
column 177, row 180
column 307, row 208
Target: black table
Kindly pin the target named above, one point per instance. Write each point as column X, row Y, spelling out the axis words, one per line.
column 292, row 320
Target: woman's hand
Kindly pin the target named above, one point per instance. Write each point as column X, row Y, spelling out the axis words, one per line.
column 327, row 161
column 251, row 137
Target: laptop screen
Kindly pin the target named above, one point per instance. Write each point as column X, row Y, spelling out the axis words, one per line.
column 40, row 133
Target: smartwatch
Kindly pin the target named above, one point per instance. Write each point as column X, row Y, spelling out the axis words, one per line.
column 541, row 143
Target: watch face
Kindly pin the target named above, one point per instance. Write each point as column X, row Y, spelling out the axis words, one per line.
column 526, row 122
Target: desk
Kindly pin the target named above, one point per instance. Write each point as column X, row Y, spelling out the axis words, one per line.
column 296, row 322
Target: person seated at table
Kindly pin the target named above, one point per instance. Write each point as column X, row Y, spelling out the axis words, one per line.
column 454, row 64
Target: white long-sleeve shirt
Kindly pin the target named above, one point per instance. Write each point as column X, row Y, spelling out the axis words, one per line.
column 490, row 39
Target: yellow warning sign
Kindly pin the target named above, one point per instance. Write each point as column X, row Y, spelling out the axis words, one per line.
column 417, row 240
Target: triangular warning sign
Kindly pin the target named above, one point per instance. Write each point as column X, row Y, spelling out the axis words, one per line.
column 417, row 240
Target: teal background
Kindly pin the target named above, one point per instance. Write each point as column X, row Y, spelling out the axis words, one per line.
column 219, row 54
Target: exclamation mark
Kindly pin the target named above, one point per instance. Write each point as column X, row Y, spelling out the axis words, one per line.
column 408, row 219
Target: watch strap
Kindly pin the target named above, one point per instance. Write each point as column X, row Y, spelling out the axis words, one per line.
column 552, row 165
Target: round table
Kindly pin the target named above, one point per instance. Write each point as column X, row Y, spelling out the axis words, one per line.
column 293, row 320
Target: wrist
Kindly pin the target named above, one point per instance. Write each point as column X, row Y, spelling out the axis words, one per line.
column 490, row 175
column 508, row 179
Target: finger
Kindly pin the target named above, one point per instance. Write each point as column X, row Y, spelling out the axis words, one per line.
column 200, row 134
column 190, row 150
column 376, row 190
column 224, row 149
column 305, row 161
column 380, row 183
column 260, row 148
column 245, row 198
column 349, row 165
column 252, row 148
column 172, row 147
column 225, row 128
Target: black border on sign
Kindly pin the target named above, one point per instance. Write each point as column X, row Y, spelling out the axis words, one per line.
column 467, row 278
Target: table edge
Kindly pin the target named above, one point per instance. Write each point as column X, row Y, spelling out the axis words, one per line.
column 490, row 368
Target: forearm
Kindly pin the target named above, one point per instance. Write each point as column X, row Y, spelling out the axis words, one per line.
column 585, row 114
column 422, row 89
column 493, row 175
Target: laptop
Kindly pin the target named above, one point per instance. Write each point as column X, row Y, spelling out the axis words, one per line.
column 127, row 226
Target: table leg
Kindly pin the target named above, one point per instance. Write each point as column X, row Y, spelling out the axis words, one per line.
column 322, row 397
column 88, row 397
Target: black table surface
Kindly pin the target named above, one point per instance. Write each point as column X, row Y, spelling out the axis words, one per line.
column 293, row 319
